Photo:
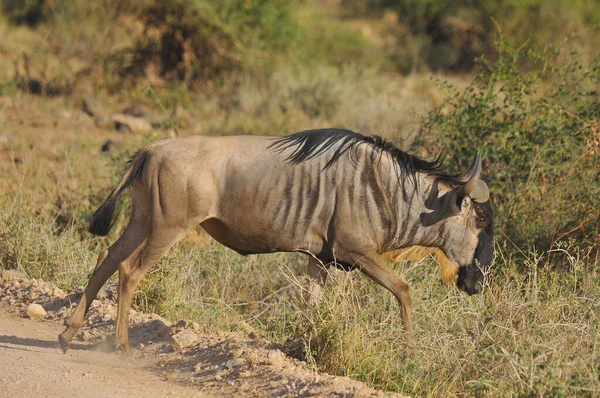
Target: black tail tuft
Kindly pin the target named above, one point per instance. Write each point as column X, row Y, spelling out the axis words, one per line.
column 102, row 219
column 102, row 222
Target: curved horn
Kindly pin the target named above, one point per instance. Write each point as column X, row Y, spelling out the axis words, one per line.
column 476, row 164
column 474, row 187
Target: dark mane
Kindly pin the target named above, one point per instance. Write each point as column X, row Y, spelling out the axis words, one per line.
column 312, row 143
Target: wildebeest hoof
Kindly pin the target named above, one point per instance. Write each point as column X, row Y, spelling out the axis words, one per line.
column 125, row 350
column 64, row 343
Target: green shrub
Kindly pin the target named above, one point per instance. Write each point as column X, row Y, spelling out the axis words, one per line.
column 538, row 131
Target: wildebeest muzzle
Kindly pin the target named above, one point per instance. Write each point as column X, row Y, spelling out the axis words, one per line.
column 470, row 279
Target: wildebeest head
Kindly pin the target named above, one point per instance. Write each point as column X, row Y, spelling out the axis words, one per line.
column 467, row 221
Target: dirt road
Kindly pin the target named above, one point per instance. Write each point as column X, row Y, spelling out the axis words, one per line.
column 225, row 364
column 33, row 366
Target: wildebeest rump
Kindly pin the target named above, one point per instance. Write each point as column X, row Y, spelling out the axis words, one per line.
column 342, row 197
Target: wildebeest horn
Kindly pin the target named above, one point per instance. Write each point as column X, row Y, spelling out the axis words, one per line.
column 473, row 186
column 474, row 167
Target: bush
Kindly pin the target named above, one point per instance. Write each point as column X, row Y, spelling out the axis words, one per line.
column 538, row 131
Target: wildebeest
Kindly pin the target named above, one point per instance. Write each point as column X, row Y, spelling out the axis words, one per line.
column 343, row 197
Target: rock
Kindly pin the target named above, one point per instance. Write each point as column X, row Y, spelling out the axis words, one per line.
column 107, row 318
column 142, row 111
column 95, row 304
column 13, row 274
column 163, row 331
column 56, row 292
column 234, row 363
column 108, row 292
column 275, row 358
column 123, row 128
column 183, row 339
column 36, row 311
column 102, row 122
column 135, row 124
column 183, row 324
column 86, row 336
column 237, row 353
column 197, row 367
column 92, row 106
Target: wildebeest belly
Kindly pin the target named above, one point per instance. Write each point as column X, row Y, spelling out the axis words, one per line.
column 248, row 239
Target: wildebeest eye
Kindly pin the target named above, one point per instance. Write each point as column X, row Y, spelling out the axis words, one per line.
column 480, row 222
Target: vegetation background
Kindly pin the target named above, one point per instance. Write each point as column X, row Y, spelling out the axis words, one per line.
column 518, row 80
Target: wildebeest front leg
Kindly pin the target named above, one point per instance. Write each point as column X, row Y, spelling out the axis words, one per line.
column 376, row 269
column 317, row 272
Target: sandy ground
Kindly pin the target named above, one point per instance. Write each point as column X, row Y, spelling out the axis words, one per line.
column 33, row 366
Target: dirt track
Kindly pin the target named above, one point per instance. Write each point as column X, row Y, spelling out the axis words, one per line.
column 226, row 364
column 32, row 365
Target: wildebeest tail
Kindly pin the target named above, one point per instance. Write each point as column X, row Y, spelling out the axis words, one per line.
column 102, row 219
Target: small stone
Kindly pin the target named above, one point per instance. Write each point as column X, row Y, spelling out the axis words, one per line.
column 182, row 324
column 92, row 106
column 197, row 367
column 275, row 358
column 16, row 284
column 163, row 331
column 237, row 353
column 107, row 318
column 245, row 373
column 234, row 363
column 56, row 292
column 218, row 377
column 36, row 311
column 13, row 274
column 95, row 304
column 86, row 335
column 183, row 339
column 126, row 122
column 102, row 122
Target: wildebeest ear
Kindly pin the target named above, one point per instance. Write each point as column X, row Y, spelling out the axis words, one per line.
column 443, row 207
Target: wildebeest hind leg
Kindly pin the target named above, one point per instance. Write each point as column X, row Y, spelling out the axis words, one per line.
column 107, row 264
column 131, row 272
